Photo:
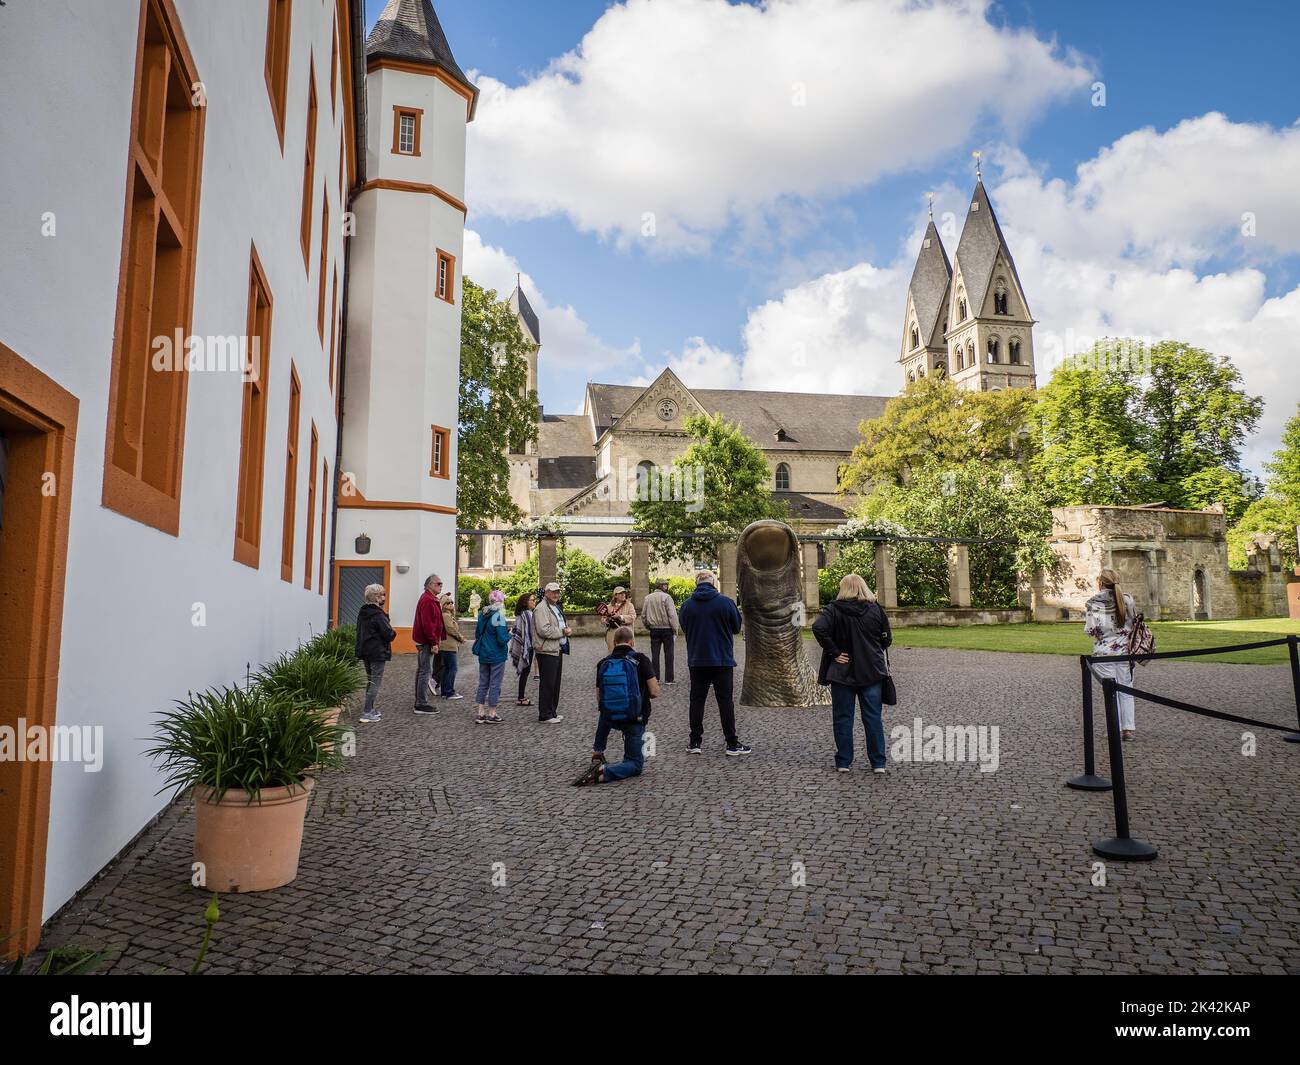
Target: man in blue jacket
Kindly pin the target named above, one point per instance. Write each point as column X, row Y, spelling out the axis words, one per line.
column 710, row 622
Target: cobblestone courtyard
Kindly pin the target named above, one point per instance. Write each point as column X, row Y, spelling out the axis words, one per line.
column 931, row 868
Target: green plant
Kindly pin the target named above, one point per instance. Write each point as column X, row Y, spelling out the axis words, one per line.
column 466, row 587
column 247, row 739
column 680, row 588
column 339, row 642
column 315, row 678
column 64, row 961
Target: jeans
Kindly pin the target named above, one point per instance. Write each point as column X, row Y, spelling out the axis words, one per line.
column 720, row 679
column 375, row 677
column 489, row 683
column 450, row 667
column 548, row 698
column 843, row 698
column 423, row 669
column 633, row 748
column 1122, row 673
column 663, row 639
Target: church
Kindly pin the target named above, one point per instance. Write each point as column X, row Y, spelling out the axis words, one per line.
column 967, row 319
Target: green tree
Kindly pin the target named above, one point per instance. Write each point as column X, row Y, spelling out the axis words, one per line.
column 935, row 423
column 1278, row 510
column 977, row 501
column 1284, row 469
column 497, row 409
column 728, row 485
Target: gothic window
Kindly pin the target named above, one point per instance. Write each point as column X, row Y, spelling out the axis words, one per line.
column 783, row 478
column 938, row 368
column 1014, row 349
column 961, row 309
column 958, row 354
column 1000, row 297
column 993, row 351
column 644, row 475
column 916, row 338
column 970, row 353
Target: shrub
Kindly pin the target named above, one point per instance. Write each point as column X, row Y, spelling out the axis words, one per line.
column 680, row 588
column 467, row 586
column 339, row 642
column 319, row 680
column 242, row 738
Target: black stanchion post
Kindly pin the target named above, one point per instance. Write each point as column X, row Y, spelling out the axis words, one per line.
column 1293, row 645
column 1088, row 780
column 1121, row 846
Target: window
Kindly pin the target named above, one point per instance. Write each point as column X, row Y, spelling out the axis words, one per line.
column 334, row 62
column 324, row 261
column 1013, row 349
column 406, row 130
column 911, row 380
column 645, row 479
column 961, row 309
column 252, row 432
column 334, row 326
column 440, row 461
column 783, row 478
column 311, row 509
column 290, row 479
column 309, row 168
column 1000, row 297
column 916, row 338
column 960, row 361
column 445, row 286
column 994, row 349
column 324, row 509
column 970, row 353
column 278, row 21
column 146, row 407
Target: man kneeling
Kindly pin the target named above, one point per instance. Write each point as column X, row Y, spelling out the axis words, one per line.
column 625, row 684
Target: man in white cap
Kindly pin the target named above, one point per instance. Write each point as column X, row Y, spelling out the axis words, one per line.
column 551, row 642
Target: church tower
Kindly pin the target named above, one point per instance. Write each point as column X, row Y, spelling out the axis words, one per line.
column 530, row 327
column 990, row 330
column 397, row 498
column 925, row 320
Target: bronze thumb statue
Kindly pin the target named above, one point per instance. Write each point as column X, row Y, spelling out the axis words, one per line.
column 777, row 672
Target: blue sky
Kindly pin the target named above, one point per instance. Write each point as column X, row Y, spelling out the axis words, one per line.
column 817, row 255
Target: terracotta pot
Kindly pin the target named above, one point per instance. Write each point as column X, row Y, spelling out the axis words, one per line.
column 331, row 717
column 250, row 846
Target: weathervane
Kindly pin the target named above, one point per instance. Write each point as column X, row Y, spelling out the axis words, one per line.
column 978, row 175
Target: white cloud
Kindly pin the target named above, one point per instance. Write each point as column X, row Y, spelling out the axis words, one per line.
column 703, row 112
column 1093, row 264
column 567, row 342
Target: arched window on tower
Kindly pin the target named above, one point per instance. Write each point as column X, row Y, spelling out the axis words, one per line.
column 993, row 349
column 911, row 377
column 1000, row 297
column 938, row 369
column 916, row 338
column 970, row 353
column 961, row 309
column 1013, row 348
column 783, row 478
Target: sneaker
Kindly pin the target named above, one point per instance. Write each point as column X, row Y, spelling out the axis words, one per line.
column 493, row 719
column 738, row 750
column 553, row 720
column 373, row 715
column 697, row 749
column 841, row 769
column 880, row 770
column 426, row 709
column 433, row 687
column 453, row 697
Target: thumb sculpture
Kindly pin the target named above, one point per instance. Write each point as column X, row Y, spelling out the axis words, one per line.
column 777, row 671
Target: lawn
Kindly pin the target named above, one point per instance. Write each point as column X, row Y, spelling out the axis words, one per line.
column 1068, row 639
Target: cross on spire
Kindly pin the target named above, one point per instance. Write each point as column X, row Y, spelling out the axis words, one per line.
column 978, row 175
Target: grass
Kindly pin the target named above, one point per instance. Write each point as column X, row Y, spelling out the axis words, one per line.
column 1068, row 639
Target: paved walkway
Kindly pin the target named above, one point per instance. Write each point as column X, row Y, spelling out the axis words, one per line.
column 931, row 868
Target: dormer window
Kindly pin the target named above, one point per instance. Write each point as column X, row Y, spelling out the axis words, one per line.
column 781, row 436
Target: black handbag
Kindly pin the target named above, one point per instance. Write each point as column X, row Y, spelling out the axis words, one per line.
column 888, row 692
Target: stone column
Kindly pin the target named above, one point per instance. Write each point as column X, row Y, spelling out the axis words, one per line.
column 727, row 568
column 546, row 560
column 832, row 552
column 886, row 575
column 811, row 592
column 959, row 575
column 640, row 572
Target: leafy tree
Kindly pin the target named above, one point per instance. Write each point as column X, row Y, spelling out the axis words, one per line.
column 1284, row 470
column 976, row 500
column 1278, row 511
column 585, row 580
column 935, row 423
column 731, row 487
column 497, row 410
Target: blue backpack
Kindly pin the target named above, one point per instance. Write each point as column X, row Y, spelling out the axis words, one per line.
column 620, row 690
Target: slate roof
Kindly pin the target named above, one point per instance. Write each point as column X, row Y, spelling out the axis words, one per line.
column 981, row 239
column 812, row 422
column 520, row 305
column 929, row 286
column 811, row 508
column 409, row 30
column 567, row 458
column 565, row 471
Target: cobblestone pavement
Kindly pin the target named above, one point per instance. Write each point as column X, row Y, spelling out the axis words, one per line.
column 931, row 868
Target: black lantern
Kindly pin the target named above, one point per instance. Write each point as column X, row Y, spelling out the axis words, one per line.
column 362, row 544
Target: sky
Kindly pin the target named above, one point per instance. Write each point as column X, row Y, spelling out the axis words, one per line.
column 738, row 191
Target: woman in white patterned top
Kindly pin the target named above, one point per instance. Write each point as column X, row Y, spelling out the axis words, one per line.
column 1108, row 619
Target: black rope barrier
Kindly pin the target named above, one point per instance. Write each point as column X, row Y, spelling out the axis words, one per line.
column 1122, row 846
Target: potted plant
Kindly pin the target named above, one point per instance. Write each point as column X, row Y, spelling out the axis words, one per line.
column 340, row 643
column 245, row 753
column 317, row 678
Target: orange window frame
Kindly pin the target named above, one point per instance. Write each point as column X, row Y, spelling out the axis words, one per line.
column 279, row 21
column 415, row 113
column 145, row 437
column 324, row 261
column 324, row 511
column 311, row 507
column 440, row 452
column 289, row 528
column 309, row 167
column 444, row 281
column 252, row 432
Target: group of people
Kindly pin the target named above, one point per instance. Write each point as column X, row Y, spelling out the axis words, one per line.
column 853, row 632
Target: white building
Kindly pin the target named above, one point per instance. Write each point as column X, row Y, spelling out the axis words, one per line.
column 184, row 168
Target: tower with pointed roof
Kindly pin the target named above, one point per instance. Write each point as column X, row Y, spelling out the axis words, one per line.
column 530, row 327
column 402, row 371
column 971, row 320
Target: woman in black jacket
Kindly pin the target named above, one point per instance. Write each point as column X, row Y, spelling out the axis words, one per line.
column 375, row 638
column 853, row 632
